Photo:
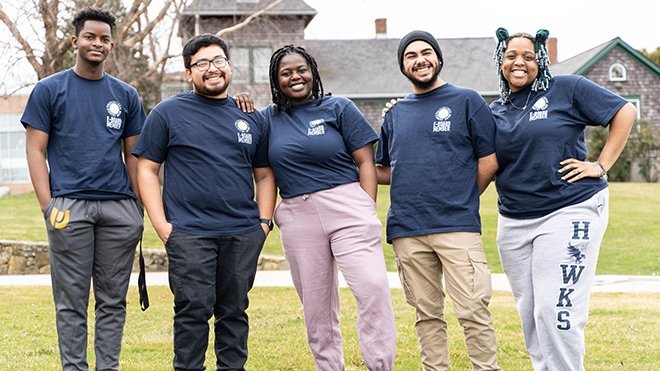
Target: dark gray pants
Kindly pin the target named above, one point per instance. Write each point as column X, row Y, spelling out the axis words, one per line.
column 91, row 239
column 212, row 276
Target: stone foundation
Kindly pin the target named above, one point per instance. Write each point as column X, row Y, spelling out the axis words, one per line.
column 27, row 257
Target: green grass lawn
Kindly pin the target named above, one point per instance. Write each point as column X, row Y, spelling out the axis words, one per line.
column 620, row 335
column 630, row 246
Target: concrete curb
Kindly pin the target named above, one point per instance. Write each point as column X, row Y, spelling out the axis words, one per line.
column 602, row 283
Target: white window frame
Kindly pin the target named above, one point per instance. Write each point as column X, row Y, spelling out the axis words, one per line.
column 248, row 64
column 638, row 104
column 614, row 67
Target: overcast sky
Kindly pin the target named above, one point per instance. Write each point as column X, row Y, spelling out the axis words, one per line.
column 579, row 25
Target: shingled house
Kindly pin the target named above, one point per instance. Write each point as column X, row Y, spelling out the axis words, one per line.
column 618, row 67
column 365, row 71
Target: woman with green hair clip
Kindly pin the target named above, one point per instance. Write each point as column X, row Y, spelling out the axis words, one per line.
column 553, row 204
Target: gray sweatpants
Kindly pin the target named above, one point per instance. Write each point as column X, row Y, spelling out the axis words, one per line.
column 550, row 263
column 91, row 239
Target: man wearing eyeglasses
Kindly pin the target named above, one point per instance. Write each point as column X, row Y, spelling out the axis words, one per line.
column 213, row 230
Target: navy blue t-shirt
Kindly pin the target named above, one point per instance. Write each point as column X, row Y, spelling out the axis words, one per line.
column 210, row 148
column 310, row 147
column 433, row 142
column 532, row 142
column 86, row 121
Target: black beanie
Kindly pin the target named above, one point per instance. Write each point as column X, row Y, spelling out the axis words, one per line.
column 423, row 36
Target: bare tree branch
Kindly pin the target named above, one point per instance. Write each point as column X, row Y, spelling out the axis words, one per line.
column 153, row 69
column 247, row 20
column 132, row 17
column 150, row 26
column 29, row 52
column 16, row 90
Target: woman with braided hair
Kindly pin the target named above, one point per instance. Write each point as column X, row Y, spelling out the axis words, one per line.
column 320, row 149
column 553, row 204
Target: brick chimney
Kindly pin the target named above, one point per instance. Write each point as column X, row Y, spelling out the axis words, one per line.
column 381, row 28
column 552, row 50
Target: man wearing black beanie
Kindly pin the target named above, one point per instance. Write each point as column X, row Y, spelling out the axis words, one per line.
column 437, row 150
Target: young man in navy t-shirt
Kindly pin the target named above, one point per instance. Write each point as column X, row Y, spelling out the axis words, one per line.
column 437, row 151
column 213, row 230
column 82, row 120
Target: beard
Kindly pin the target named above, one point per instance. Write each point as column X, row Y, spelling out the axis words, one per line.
column 201, row 88
column 423, row 85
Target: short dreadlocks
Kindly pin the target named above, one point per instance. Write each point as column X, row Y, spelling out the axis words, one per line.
column 280, row 100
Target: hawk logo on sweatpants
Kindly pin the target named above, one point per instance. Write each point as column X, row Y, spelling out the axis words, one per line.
column 576, row 253
column 243, row 131
column 571, row 273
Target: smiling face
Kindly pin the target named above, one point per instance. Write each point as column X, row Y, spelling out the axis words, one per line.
column 519, row 66
column 93, row 43
column 421, row 66
column 295, row 78
column 212, row 83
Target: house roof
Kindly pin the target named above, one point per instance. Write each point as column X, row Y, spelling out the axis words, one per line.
column 581, row 63
column 375, row 71
column 239, row 8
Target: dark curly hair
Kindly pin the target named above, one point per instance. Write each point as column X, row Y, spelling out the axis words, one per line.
column 92, row 14
column 201, row 41
column 280, row 100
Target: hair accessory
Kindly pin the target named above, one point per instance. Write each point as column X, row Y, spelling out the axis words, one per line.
column 502, row 35
column 544, row 76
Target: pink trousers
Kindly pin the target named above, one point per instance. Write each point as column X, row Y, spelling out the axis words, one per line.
column 330, row 228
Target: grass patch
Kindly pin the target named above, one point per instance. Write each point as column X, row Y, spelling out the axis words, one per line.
column 629, row 247
column 621, row 332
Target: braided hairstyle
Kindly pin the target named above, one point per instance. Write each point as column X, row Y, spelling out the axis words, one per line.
column 280, row 100
column 543, row 78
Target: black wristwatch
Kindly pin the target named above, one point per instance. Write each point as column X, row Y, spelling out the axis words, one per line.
column 268, row 222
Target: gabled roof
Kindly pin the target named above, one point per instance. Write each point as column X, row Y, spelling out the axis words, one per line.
column 240, row 8
column 582, row 62
column 374, row 70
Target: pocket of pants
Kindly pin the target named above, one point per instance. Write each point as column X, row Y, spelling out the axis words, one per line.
column 481, row 284
column 371, row 200
column 276, row 219
column 169, row 239
column 404, row 283
column 49, row 207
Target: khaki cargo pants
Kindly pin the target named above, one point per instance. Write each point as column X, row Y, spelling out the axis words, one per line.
column 422, row 262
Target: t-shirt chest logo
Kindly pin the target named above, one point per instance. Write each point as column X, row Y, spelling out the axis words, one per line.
column 243, row 128
column 113, row 121
column 316, row 127
column 442, row 123
column 539, row 110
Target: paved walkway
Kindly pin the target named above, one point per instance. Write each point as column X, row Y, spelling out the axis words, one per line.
column 603, row 283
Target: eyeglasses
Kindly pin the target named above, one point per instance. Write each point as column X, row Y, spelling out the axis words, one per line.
column 204, row 64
